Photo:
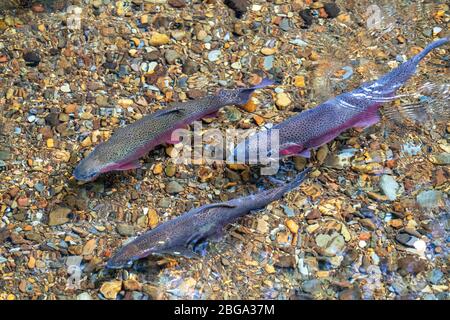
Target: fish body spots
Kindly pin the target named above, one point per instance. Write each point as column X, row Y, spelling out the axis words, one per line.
column 316, row 127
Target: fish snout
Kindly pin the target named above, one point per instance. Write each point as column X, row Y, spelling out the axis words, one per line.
column 83, row 173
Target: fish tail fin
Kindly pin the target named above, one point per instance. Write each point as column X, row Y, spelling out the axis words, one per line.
column 420, row 111
column 429, row 48
column 273, row 194
column 264, row 83
column 298, row 180
column 241, row 96
column 384, row 89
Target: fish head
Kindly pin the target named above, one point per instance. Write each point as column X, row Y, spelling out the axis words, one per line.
column 92, row 166
column 125, row 257
column 119, row 264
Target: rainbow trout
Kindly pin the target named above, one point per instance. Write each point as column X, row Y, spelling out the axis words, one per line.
column 123, row 150
column 180, row 236
column 317, row 126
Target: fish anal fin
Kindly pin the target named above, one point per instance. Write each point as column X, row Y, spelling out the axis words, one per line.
column 417, row 112
column 174, row 138
column 195, row 239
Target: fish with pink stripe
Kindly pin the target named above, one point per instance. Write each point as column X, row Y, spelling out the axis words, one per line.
column 359, row 108
column 123, row 150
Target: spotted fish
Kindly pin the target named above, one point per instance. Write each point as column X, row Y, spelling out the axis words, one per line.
column 123, row 150
column 315, row 127
column 183, row 234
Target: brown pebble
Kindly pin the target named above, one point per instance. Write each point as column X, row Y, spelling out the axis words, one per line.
column 38, row 8
column 285, row 262
column 132, row 285
column 314, row 214
column 177, row 3
column 368, row 224
column 23, row 201
column 350, row 294
column 411, row 265
column 396, row 223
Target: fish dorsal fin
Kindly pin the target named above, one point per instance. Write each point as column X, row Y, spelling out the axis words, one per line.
column 223, row 204
column 212, row 205
column 216, row 205
column 162, row 113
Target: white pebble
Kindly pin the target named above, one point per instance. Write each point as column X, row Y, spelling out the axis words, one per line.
column 256, row 7
column 65, row 88
column 236, row 65
column 152, row 65
column 362, row 244
column 420, row 245
column 436, row 30
column 214, row 55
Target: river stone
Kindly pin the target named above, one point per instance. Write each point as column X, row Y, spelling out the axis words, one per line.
column 59, row 216
column 125, row 230
column 430, row 198
column 389, row 186
column 174, row 187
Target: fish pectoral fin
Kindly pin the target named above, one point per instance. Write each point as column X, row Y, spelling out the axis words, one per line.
column 290, row 148
column 369, row 119
column 217, row 236
column 135, row 164
column 182, row 251
column 305, row 153
column 211, row 115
